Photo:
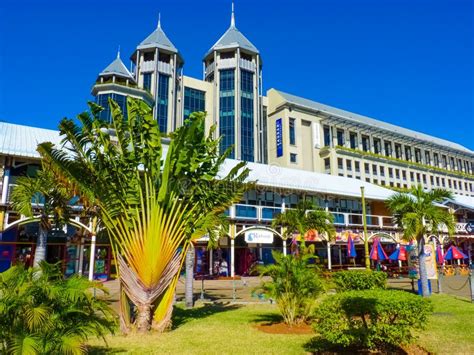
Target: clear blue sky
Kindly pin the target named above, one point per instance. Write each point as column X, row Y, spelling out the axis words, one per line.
column 408, row 62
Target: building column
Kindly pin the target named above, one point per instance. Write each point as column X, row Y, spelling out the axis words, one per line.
column 284, row 247
column 211, row 262
column 232, row 250
column 6, row 182
column 329, row 255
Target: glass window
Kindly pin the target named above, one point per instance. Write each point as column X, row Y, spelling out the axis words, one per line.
column 327, row 164
column 398, row 151
column 349, row 164
column 162, row 102
column 377, row 146
column 327, row 136
column 374, row 169
column 227, row 110
column 340, row 164
column 293, row 157
column 404, row 175
column 353, row 140
column 444, row 161
column 340, row 137
column 427, row 157
column 367, row 168
column 390, row 172
column 417, row 155
column 357, row 167
column 451, row 163
column 292, row 131
column 382, row 171
column 436, row 159
column 365, row 143
column 388, row 148
column 194, row 101
column 407, row 153
column 147, row 81
column 247, row 115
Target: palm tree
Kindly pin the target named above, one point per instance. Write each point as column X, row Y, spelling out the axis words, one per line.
column 43, row 195
column 41, row 313
column 305, row 217
column 419, row 215
column 153, row 206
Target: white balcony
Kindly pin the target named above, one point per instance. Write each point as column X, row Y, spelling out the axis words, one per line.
column 247, row 65
column 149, row 66
column 227, row 63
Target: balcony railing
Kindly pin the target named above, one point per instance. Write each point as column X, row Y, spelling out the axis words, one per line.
column 266, row 214
column 149, row 66
column 247, row 65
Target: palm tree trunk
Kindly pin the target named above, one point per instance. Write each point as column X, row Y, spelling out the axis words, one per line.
column 40, row 251
column 189, row 296
column 144, row 317
column 422, row 267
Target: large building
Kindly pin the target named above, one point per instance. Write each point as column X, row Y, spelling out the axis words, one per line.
column 297, row 149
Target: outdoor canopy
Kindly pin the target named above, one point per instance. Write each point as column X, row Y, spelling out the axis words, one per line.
column 439, row 255
column 377, row 252
column 454, row 253
column 399, row 254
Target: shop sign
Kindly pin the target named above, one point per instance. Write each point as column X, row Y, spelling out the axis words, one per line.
column 259, row 236
column 279, row 137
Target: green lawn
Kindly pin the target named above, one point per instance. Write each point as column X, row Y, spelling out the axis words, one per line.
column 230, row 329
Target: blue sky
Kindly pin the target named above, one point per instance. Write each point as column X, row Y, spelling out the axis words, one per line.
column 408, row 62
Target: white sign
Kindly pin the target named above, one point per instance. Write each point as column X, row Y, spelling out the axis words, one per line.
column 261, row 236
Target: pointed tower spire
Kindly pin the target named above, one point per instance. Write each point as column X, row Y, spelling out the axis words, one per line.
column 159, row 20
column 118, row 52
column 232, row 18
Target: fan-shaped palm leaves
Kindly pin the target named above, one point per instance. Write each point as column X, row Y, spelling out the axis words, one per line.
column 419, row 215
column 152, row 204
column 40, row 313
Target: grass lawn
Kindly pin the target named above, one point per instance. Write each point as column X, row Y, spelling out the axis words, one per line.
column 451, row 327
column 230, row 330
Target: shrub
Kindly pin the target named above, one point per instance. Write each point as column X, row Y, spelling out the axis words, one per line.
column 295, row 285
column 369, row 319
column 41, row 313
column 359, row 280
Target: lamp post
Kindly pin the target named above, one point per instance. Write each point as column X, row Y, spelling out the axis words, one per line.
column 366, row 236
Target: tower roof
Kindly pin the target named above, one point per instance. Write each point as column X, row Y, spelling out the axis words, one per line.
column 117, row 68
column 233, row 38
column 158, row 39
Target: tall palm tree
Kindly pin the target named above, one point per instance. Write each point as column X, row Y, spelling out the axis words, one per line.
column 147, row 198
column 307, row 216
column 45, row 197
column 419, row 215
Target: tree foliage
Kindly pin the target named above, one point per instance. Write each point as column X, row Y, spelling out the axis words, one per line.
column 306, row 216
column 41, row 313
column 295, row 285
column 359, row 280
column 138, row 185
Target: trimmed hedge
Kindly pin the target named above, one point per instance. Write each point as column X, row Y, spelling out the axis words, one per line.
column 359, row 280
column 371, row 319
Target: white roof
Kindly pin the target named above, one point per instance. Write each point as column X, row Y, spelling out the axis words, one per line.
column 301, row 180
column 22, row 141
column 464, row 201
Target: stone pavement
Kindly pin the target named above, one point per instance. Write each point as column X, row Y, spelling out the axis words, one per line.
column 243, row 290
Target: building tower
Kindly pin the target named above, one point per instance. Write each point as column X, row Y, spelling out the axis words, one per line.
column 234, row 67
column 116, row 82
column 158, row 70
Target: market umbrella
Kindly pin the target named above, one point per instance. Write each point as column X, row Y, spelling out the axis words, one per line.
column 439, row 255
column 377, row 252
column 454, row 253
column 351, row 250
column 399, row 254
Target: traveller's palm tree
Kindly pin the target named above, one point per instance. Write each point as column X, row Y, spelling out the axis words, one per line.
column 419, row 214
column 153, row 205
column 47, row 199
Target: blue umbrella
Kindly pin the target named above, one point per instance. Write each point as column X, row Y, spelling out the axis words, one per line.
column 454, row 253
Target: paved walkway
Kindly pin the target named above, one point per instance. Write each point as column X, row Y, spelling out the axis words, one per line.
column 243, row 290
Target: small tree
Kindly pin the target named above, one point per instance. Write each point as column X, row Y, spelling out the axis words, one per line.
column 305, row 217
column 46, row 197
column 41, row 313
column 417, row 213
column 295, row 285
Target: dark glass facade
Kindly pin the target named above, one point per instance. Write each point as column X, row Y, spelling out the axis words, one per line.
column 103, row 100
column 227, row 109
column 194, row 101
column 147, row 81
column 246, row 115
column 162, row 102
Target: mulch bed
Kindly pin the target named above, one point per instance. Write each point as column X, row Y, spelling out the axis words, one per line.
column 283, row 328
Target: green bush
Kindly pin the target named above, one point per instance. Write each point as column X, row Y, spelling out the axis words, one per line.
column 41, row 313
column 295, row 285
column 359, row 280
column 371, row 319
